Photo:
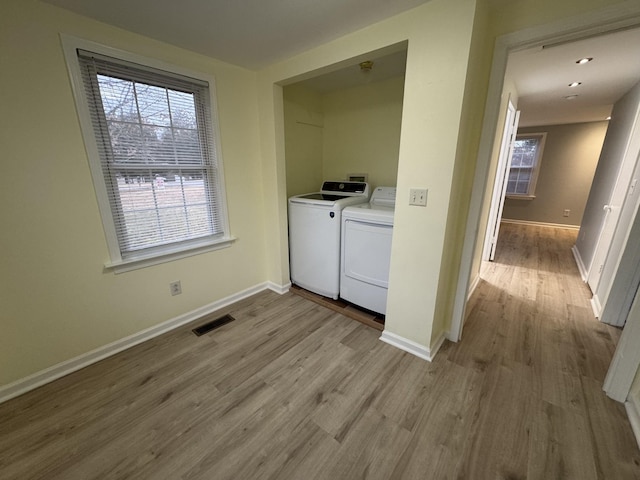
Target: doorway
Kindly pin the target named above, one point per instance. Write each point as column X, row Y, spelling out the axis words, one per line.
column 584, row 26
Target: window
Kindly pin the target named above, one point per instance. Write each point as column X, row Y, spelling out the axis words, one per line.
column 154, row 159
column 525, row 164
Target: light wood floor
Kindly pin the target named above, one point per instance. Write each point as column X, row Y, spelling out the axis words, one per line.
column 292, row 390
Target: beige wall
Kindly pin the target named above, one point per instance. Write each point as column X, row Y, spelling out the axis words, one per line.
column 438, row 34
column 354, row 130
column 568, row 163
column 362, row 131
column 621, row 127
column 513, row 15
column 304, row 132
column 57, row 300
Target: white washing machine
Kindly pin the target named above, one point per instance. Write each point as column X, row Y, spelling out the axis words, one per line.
column 366, row 250
column 314, row 235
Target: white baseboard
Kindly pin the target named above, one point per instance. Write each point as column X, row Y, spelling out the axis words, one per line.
column 633, row 412
column 581, row 268
column 541, row 224
column 280, row 289
column 412, row 347
column 54, row 372
column 595, row 306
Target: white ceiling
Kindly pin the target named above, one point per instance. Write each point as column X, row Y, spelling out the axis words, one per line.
column 256, row 33
column 248, row 33
column 542, row 76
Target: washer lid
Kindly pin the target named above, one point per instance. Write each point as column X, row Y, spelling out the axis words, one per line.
column 336, row 194
column 320, row 196
column 319, row 199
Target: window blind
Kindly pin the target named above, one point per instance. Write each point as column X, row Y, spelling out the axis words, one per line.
column 154, row 138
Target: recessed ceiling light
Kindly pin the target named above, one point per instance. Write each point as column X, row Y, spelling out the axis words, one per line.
column 571, row 97
column 608, row 118
column 584, row 60
column 575, row 84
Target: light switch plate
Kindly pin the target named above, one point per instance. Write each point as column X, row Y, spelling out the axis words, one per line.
column 418, row 196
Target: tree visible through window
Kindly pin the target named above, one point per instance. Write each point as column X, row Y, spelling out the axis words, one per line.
column 525, row 162
column 154, row 138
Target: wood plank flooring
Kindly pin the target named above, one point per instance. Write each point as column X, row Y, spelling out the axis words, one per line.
column 292, row 390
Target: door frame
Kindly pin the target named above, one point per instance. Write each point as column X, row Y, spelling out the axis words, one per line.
column 624, row 15
column 509, row 133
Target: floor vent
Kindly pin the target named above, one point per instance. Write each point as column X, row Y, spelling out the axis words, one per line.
column 212, row 325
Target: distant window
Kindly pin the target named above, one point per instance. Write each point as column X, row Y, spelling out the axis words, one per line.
column 525, row 164
column 155, row 158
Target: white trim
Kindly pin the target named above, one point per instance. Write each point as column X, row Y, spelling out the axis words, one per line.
column 581, row 268
column 599, row 21
column 633, row 412
column 541, row 224
column 595, row 306
column 412, row 347
column 54, row 372
column 473, row 286
column 279, row 289
column 168, row 256
column 513, row 196
column 626, row 359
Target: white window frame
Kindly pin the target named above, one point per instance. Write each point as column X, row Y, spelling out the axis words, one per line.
column 531, row 192
column 156, row 255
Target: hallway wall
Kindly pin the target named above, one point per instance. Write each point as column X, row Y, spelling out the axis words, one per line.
column 568, row 163
column 615, row 143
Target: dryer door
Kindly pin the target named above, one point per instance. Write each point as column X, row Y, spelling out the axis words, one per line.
column 367, row 252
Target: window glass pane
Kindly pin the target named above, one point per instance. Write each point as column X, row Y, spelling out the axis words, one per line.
column 194, row 191
column 141, row 229
column 524, row 176
column 183, row 110
column 118, row 99
column 126, row 142
column 153, row 105
column 199, row 218
column 521, row 188
column 187, row 145
column 158, row 143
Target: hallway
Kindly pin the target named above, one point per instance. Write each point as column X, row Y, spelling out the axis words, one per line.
column 531, row 330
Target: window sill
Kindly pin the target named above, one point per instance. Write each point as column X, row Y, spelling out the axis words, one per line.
column 520, row 197
column 134, row 263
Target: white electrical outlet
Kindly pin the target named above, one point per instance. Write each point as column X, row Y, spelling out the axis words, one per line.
column 418, row 196
column 175, row 288
column 566, row 212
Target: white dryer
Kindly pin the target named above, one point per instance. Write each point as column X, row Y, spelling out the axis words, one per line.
column 314, row 235
column 366, row 250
